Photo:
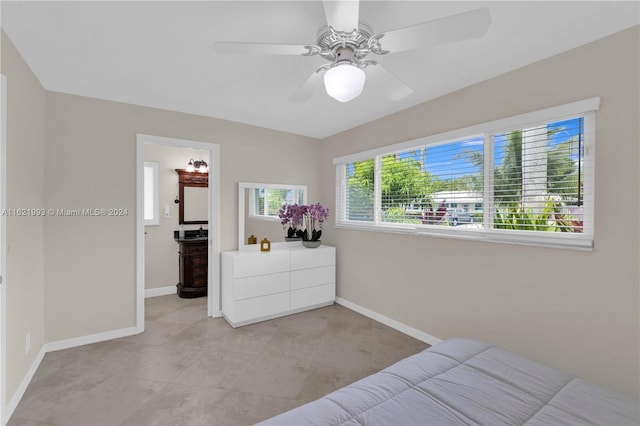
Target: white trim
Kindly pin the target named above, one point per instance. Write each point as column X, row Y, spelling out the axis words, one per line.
column 89, row 339
column 3, row 254
column 397, row 325
column 214, row 305
column 160, row 291
column 521, row 238
column 213, row 288
column 22, row 387
column 139, row 240
column 496, row 126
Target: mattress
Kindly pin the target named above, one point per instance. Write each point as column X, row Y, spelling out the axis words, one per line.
column 467, row 382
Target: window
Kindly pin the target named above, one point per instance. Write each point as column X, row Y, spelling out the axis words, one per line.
column 359, row 187
column 151, row 203
column 264, row 202
column 526, row 179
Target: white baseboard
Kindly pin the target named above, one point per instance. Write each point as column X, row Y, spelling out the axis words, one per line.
column 160, row 291
column 403, row 328
column 92, row 338
column 19, row 393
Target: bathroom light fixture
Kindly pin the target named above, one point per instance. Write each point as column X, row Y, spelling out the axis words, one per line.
column 345, row 80
column 199, row 165
column 202, row 166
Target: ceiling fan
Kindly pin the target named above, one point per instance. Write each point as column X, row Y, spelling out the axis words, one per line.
column 346, row 42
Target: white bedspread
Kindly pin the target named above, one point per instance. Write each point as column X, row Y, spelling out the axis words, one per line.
column 467, row 382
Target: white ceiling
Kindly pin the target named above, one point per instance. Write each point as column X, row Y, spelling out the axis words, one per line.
column 159, row 54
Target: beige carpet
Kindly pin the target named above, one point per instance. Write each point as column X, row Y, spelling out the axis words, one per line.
column 187, row 369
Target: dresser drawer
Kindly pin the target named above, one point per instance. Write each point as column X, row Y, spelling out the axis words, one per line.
column 313, row 258
column 253, row 264
column 313, row 296
column 304, row 278
column 245, row 288
column 257, row 307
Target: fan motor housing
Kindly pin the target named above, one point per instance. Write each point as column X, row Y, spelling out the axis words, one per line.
column 330, row 41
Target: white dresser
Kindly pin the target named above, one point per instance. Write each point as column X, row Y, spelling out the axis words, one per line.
column 257, row 286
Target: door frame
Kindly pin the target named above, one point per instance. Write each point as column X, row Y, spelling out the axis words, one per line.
column 213, row 282
column 3, row 250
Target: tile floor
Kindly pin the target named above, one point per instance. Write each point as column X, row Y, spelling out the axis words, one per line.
column 187, row 369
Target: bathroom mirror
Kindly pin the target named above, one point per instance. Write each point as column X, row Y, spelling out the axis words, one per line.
column 194, row 197
column 258, row 205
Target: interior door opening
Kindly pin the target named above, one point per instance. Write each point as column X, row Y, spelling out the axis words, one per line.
column 178, row 230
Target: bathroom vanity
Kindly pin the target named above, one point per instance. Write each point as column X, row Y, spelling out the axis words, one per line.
column 193, row 261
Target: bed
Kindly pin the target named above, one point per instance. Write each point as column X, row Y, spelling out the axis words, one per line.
column 467, row 382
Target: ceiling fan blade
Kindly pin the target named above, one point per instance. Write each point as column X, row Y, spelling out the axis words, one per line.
column 238, row 47
column 311, row 85
column 342, row 15
column 463, row 26
column 388, row 82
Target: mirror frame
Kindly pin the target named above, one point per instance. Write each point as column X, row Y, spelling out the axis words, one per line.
column 195, row 179
column 242, row 186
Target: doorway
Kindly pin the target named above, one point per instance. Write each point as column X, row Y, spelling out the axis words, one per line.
column 213, row 241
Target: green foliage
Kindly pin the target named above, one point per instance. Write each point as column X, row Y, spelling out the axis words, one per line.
column 508, row 176
column 397, row 215
column 549, row 220
column 403, row 181
column 562, row 176
column 517, row 218
column 360, row 191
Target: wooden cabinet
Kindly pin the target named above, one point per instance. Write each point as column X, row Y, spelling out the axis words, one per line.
column 258, row 286
column 193, row 259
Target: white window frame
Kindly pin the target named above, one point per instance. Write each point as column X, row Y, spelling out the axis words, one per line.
column 581, row 241
column 155, row 221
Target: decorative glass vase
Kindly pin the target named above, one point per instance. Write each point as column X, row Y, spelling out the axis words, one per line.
column 311, row 244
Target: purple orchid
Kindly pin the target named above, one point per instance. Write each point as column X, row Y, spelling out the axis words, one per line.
column 314, row 217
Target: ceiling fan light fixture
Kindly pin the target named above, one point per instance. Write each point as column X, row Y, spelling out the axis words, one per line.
column 344, row 81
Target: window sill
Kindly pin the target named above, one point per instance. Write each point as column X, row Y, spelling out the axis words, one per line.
column 559, row 241
column 265, row 218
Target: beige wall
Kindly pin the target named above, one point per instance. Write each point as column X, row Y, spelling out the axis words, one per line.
column 25, row 189
column 90, row 151
column 575, row 310
column 161, row 251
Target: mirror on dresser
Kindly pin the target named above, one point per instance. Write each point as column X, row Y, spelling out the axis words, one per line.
column 258, row 205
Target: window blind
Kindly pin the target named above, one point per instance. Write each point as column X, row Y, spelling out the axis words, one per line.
column 539, row 178
column 514, row 181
